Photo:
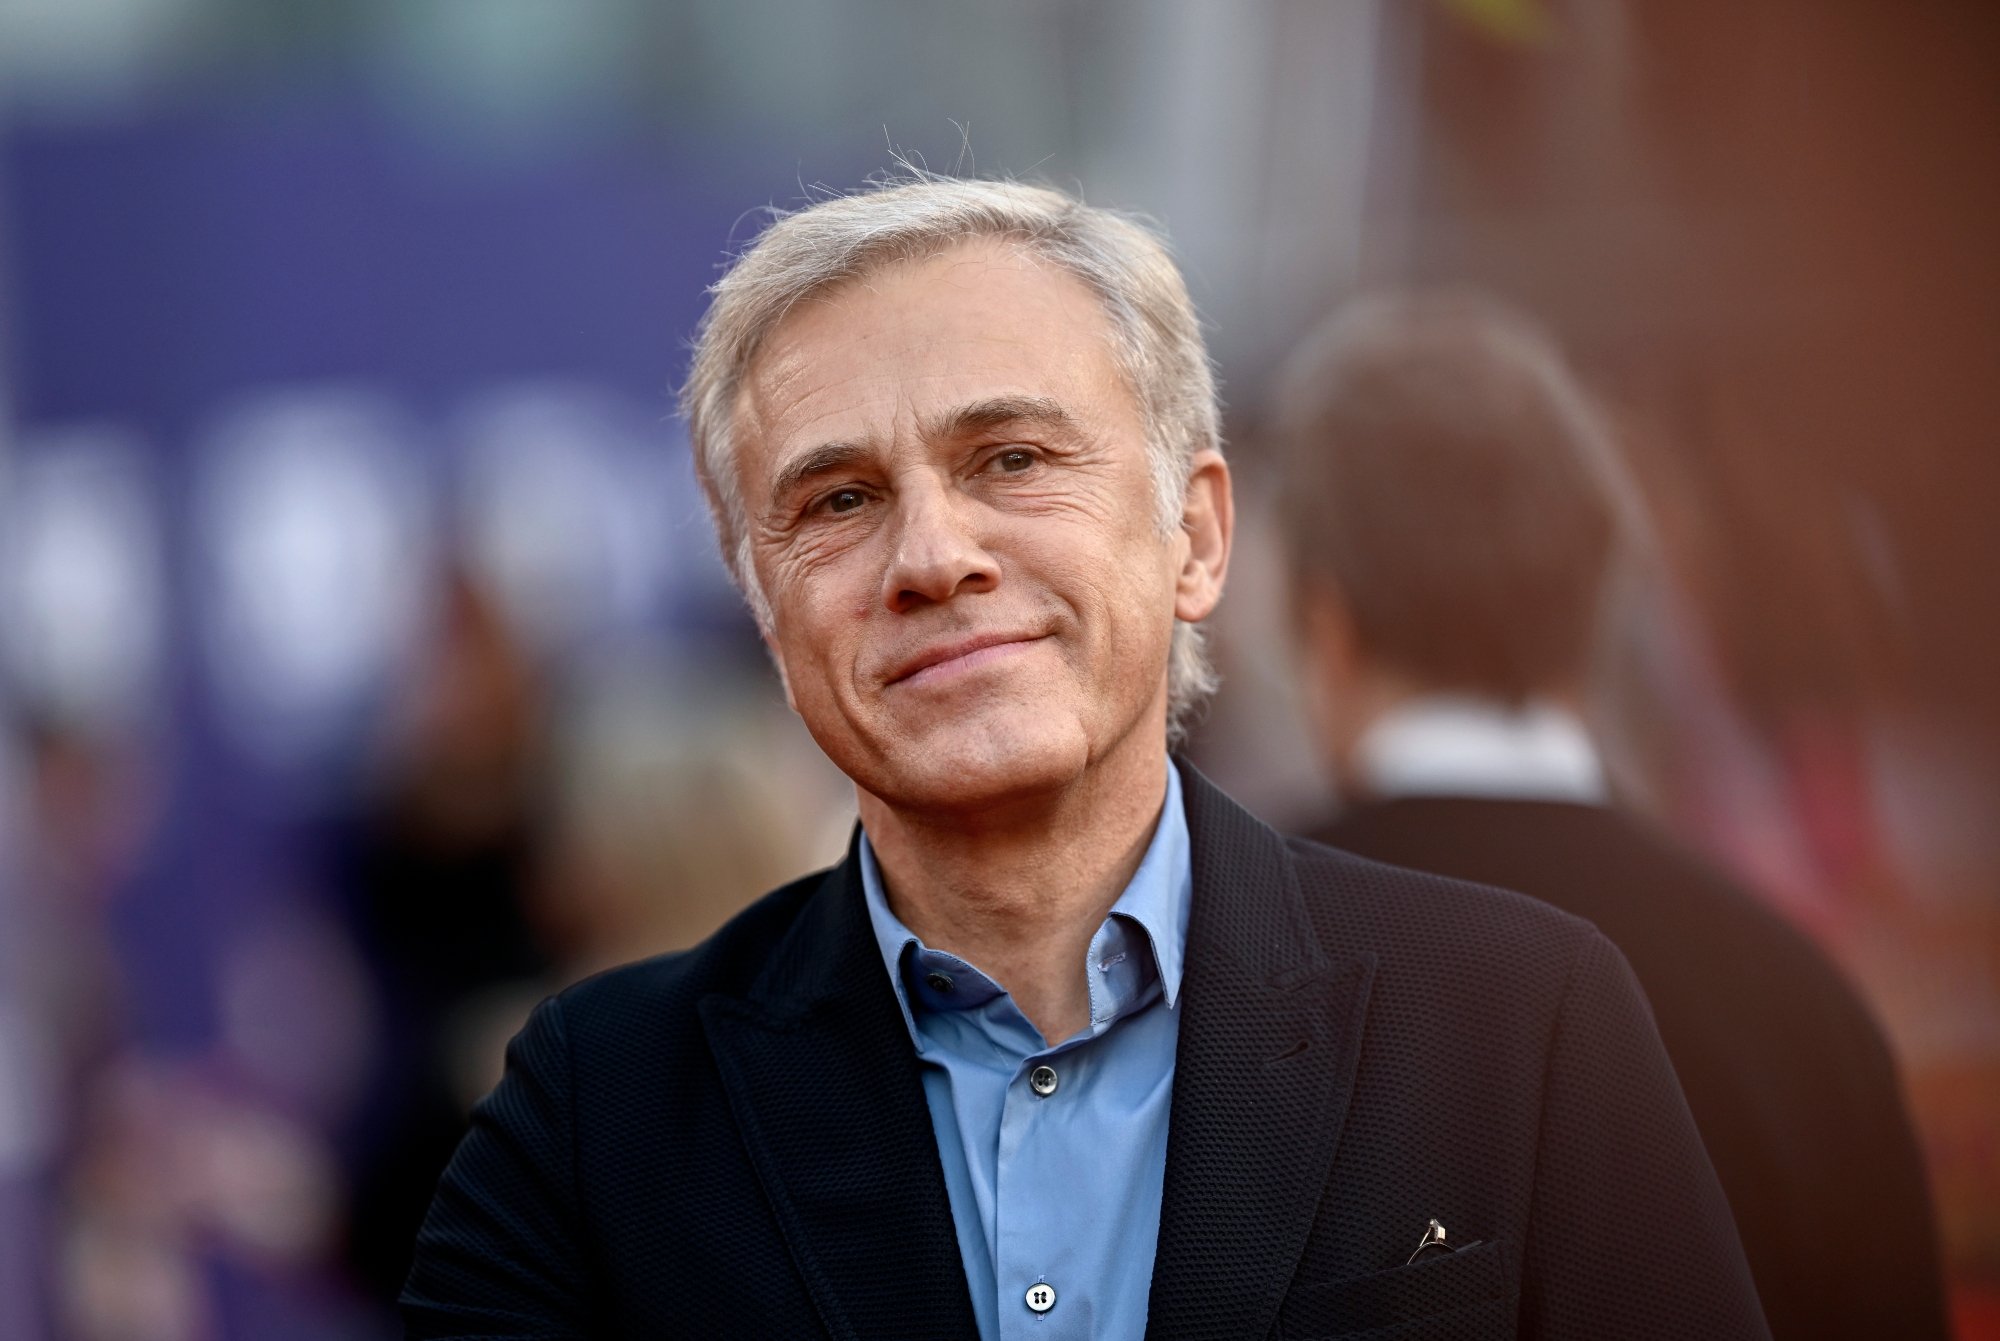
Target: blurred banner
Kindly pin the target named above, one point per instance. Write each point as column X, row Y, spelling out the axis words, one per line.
column 367, row 671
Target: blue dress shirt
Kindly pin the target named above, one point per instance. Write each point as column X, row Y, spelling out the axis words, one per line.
column 1055, row 1187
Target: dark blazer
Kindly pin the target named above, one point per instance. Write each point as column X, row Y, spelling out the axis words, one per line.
column 1788, row 1077
column 733, row 1141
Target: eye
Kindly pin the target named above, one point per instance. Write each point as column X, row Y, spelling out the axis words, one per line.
column 843, row 500
column 1014, row 460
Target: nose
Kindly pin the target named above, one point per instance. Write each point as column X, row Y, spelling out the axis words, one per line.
column 937, row 551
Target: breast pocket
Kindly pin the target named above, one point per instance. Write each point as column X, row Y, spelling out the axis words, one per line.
column 1469, row 1293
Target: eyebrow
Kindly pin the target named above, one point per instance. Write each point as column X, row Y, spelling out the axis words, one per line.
column 984, row 416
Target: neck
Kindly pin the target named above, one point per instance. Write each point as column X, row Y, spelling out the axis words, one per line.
column 1354, row 702
column 1021, row 899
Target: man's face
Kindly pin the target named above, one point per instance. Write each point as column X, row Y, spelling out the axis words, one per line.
column 953, row 520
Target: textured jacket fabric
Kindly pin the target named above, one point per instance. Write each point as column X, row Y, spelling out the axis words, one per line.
column 1788, row 1077
column 733, row 1141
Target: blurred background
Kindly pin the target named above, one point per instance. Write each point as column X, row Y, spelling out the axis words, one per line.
column 366, row 671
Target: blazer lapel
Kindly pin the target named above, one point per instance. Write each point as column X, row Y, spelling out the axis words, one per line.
column 1263, row 1074
column 825, row 1087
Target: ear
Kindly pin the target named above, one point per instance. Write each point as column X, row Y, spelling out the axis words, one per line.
column 1208, row 519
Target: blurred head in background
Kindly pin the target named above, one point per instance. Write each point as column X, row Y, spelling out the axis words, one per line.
column 1453, row 509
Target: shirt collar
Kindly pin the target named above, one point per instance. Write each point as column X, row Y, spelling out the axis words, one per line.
column 1444, row 745
column 1156, row 899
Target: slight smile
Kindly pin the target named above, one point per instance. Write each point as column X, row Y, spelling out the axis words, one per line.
column 954, row 659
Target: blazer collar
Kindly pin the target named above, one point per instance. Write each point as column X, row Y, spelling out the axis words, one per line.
column 1263, row 1076
column 827, row 1092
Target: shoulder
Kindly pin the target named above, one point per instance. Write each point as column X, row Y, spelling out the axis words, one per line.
column 1402, row 915
column 1713, row 956
column 1465, row 977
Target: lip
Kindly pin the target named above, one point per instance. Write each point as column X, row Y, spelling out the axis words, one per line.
column 943, row 659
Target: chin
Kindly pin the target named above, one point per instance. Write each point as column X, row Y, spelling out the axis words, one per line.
column 982, row 758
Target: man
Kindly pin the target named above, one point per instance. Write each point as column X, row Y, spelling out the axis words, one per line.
column 1069, row 1045
column 1453, row 505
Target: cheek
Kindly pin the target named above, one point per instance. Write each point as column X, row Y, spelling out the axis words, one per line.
column 815, row 560
column 818, row 587
column 1120, row 579
column 818, row 643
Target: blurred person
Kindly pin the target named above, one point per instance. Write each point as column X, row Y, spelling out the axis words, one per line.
column 160, row 1191
column 679, row 795
column 86, row 805
column 1069, row 1045
column 1454, row 511
column 439, row 863
column 669, row 810
column 67, row 826
column 190, row 1198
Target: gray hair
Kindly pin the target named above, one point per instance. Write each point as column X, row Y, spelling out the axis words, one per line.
column 1156, row 336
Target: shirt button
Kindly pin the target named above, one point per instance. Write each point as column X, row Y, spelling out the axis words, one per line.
column 1041, row 1296
column 1042, row 1080
column 937, row 982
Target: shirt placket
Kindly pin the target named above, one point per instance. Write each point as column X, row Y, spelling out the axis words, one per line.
column 1038, row 1302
